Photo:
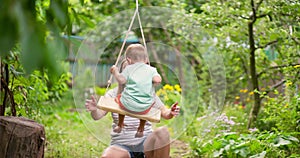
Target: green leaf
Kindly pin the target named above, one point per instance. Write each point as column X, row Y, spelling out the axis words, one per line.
column 242, row 151
column 82, row 2
column 280, row 141
column 291, row 138
column 89, row 22
column 260, row 155
column 8, row 29
column 59, row 9
column 31, row 39
column 75, row 14
column 218, row 153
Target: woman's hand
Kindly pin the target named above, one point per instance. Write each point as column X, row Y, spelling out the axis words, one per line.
column 175, row 109
column 91, row 104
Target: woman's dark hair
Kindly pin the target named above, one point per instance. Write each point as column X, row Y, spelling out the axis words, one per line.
column 123, row 64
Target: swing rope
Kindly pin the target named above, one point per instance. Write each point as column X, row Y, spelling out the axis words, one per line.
column 107, row 103
column 141, row 28
column 136, row 12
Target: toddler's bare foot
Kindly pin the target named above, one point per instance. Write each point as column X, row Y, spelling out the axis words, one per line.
column 139, row 134
column 117, row 129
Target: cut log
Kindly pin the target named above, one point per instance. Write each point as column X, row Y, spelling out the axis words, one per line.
column 109, row 104
column 21, row 137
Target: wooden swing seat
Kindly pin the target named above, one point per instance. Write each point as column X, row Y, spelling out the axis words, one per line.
column 109, row 104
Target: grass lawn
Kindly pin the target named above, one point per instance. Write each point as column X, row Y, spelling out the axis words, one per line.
column 66, row 134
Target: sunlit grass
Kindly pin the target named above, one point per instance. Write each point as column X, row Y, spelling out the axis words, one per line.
column 66, row 134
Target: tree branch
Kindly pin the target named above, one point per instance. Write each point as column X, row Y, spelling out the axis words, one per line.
column 253, row 16
column 267, row 44
column 241, row 16
column 296, row 40
column 286, row 14
column 262, row 15
column 258, row 4
column 275, row 67
column 274, row 87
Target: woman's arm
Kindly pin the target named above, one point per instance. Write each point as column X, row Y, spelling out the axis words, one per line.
column 98, row 114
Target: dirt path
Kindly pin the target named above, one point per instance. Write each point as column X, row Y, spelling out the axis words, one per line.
column 179, row 149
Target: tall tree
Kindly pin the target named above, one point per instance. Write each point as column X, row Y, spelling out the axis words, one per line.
column 257, row 39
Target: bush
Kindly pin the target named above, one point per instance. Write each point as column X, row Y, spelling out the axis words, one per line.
column 226, row 135
column 255, row 144
column 280, row 114
column 31, row 92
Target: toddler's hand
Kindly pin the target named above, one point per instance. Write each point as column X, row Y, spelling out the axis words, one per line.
column 113, row 69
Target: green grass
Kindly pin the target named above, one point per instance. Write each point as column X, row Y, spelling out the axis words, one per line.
column 66, row 134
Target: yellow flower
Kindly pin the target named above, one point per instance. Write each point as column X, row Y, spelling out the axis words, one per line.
column 177, row 88
column 251, row 93
column 248, row 100
column 237, row 97
column 166, row 98
column 288, row 83
column 168, row 87
column 297, row 66
column 243, row 90
column 164, row 92
column 158, row 93
column 161, row 92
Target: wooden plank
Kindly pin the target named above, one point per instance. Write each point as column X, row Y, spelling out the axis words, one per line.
column 109, row 104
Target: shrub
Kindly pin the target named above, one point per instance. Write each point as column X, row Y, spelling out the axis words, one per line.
column 30, row 92
column 255, row 144
column 280, row 114
column 226, row 135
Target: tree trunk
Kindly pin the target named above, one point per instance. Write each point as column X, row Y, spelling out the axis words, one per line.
column 8, row 94
column 21, row 137
column 179, row 64
column 156, row 59
column 254, row 80
column 2, row 106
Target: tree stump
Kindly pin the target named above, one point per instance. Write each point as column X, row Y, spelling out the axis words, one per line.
column 21, row 137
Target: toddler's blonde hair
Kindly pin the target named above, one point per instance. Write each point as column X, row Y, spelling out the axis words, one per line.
column 137, row 53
